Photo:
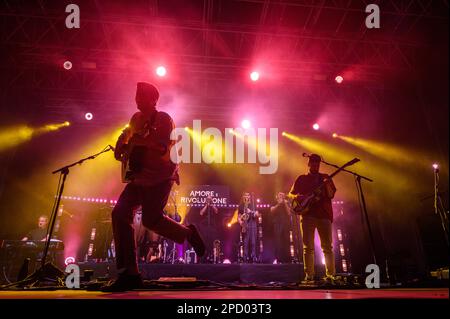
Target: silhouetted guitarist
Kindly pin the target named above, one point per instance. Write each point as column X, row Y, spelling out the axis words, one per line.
column 319, row 215
column 146, row 144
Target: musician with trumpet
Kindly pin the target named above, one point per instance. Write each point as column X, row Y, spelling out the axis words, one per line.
column 248, row 219
column 318, row 189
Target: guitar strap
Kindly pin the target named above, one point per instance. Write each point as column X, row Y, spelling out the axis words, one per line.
column 150, row 124
column 153, row 119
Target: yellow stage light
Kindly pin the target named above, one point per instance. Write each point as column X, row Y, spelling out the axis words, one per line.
column 13, row 136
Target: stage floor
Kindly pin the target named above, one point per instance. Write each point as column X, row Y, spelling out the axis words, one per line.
column 233, row 281
column 223, row 273
column 395, row 293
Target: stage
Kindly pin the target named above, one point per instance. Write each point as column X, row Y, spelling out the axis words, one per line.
column 180, row 140
column 395, row 293
column 221, row 273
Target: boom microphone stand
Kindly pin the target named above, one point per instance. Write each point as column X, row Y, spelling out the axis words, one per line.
column 47, row 271
column 362, row 202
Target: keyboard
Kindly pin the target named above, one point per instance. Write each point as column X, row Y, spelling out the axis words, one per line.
column 55, row 244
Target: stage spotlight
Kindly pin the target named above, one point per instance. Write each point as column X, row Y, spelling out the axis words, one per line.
column 229, row 225
column 335, row 135
column 69, row 260
column 88, row 116
column 316, row 126
column 231, row 130
column 186, row 129
column 339, row 79
column 226, row 261
column 435, row 166
column 254, row 76
column 246, row 124
column 67, row 65
column 161, row 71
column 67, row 123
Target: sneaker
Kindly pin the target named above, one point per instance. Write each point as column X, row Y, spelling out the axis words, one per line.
column 124, row 283
column 328, row 281
column 196, row 241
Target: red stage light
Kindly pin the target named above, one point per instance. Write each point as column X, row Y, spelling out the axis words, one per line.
column 246, row 124
column 335, row 135
column 316, row 126
column 161, row 71
column 69, row 260
column 254, row 76
column 88, row 116
column 67, row 65
column 339, row 79
column 435, row 165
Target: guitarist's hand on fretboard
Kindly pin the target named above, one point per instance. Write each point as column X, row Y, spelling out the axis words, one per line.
column 121, row 145
column 118, row 153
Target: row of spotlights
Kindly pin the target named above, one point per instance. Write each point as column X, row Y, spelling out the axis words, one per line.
column 161, row 71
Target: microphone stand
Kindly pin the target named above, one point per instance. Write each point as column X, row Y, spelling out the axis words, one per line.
column 362, row 202
column 174, row 251
column 439, row 206
column 48, row 270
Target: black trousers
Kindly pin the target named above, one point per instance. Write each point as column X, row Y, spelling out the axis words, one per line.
column 250, row 241
column 153, row 200
column 281, row 241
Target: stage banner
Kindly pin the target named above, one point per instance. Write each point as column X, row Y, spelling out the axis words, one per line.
column 195, row 195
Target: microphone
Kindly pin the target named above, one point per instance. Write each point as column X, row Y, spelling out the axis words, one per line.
column 112, row 148
column 69, row 214
column 65, row 212
column 353, row 161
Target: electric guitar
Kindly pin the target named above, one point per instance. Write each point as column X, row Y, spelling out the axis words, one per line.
column 301, row 205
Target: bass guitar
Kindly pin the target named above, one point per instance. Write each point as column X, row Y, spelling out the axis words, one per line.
column 301, row 204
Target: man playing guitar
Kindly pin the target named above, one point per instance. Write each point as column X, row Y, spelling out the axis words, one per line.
column 248, row 219
column 145, row 145
column 319, row 215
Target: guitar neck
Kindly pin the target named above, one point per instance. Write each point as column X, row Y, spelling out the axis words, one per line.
column 340, row 169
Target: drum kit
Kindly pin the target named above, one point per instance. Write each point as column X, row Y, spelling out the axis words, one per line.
column 153, row 248
column 150, row 247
